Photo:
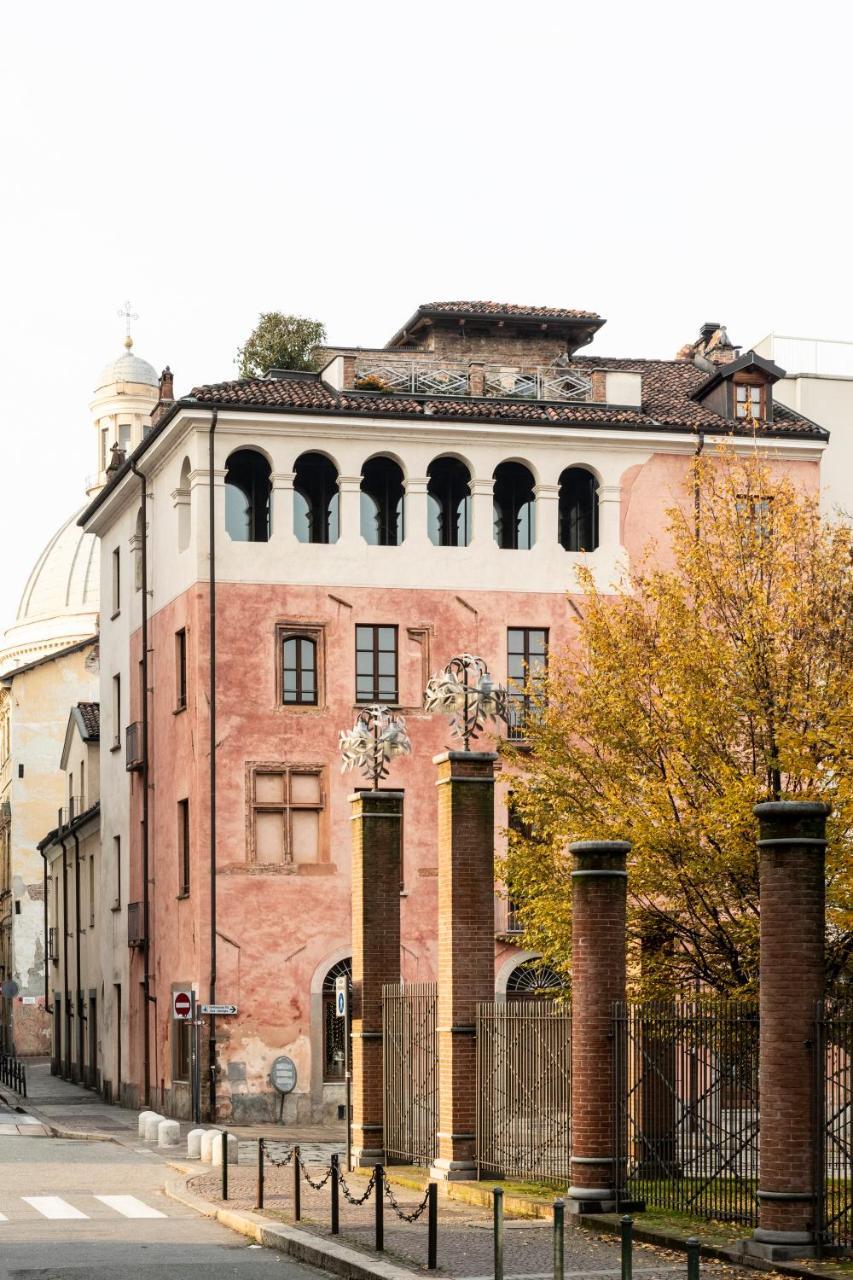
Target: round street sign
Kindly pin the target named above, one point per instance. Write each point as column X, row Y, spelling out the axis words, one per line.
column 182, row 1005
column 10, row 988
column 283, row 1074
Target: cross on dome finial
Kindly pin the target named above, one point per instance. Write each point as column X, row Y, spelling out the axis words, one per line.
column 129, row 316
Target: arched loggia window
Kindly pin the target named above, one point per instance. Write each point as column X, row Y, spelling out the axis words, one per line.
column 578, row 514
column 247, row 497
column 382, row 503
column 449, row 503
column 315, row 499
column 514, row 507
column 533, row 980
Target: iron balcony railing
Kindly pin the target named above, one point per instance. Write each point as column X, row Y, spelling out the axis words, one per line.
column 449, row 378
column 135, row 925
column 133, row 746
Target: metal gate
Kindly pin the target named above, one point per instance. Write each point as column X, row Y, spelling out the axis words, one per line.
column 834, row 1076
column 687, row 1107
column 524, row 1075
column 409, row 1054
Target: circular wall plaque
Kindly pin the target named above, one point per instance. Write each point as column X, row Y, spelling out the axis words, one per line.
column 283, row 1074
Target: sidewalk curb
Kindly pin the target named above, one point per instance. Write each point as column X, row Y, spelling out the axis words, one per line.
column 328, row 1255
column 17, row 1103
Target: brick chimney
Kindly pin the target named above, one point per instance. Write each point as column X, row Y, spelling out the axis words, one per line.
column 712, row 347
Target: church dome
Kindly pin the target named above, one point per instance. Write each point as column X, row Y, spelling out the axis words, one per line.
column 59, row 604
column 128, row 368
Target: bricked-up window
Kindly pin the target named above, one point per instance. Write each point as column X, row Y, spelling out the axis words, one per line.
column 299, row 671
column 180, row 669
column 334, row 1028
column 183, row 848
column 749, row 400
column 287, row 806
column 376, row 664
column 526, row 667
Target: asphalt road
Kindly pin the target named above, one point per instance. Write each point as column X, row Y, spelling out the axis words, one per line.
column 96, row 1211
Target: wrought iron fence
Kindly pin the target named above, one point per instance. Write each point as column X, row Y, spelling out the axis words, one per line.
column 410, row 1072
column 524, row 1075
column 412, row 377
column 687, row 1106
column 539, row 383
column 834, row 1075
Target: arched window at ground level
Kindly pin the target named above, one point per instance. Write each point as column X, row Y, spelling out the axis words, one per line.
column 533, row 980
column 334, row 1028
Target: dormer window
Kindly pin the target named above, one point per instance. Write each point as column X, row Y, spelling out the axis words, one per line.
column 749, row 400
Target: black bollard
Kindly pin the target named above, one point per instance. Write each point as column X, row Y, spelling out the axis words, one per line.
column 224, row 1164
column 297, row 1187
column 260, row 1173
column 432, row 1226
column 559, row 1231
column 692, row 1258
column 626, row 1231
column 498, row 1228
column 379, row 1192
column 336, row 1183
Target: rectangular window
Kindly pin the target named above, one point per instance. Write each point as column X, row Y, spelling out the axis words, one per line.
column 526, row 668
column 181, row 1050
column 184, row 847
column 180, row 669
column 116, row 581
column 299, row 670
column 92, row 892
column 749, row 401
column 376, row 664
column 105, row 447
column 287, row 803
column 116, row 711
column 117, row 871
column 124, row 436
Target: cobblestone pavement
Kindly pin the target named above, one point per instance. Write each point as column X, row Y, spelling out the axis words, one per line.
column 465, row 1246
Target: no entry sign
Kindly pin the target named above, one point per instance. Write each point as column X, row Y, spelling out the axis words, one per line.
column 182, row 1005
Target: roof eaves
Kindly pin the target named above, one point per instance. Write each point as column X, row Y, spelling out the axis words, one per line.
column 50, row 657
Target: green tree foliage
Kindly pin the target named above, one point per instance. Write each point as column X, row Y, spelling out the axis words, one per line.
column 689, row 693
column 279, row 341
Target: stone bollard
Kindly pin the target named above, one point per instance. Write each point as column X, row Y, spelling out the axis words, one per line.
column 168, row 1133
column 206, row 1146
column 216, row 1149
column 194, row 1138
column 144, row 1116
column 152, row 1126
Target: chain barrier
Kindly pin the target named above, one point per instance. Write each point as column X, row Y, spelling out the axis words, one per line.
column 398, row 1209
column 317, row 1186
column 280, row 1164
column 360, row 1199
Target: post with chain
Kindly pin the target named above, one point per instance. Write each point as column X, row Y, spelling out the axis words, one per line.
column 297, row 1187
column 379, row 1192
column 559, row 1230
column 224, row 1164
column 626, row 1232
column 692, row 1258
column 336, row 1179
column 260, row 1173
column 498, row 1227
column 432, row 1226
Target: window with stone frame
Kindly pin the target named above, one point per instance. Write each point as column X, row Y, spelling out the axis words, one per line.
column 376, row 664
column 300, row 665
column 286, row 806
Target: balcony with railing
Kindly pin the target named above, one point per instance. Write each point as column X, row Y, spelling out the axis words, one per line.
column 457, row 379
column 133, row 746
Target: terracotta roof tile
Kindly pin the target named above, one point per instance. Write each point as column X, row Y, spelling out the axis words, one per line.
column 507, row 309
column 90, row 714
column 667, row 386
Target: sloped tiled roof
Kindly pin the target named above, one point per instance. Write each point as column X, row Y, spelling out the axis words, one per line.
column 90, row 714
column 666, row 389
column 507, row 309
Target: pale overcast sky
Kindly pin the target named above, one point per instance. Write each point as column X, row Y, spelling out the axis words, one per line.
column 661, row 163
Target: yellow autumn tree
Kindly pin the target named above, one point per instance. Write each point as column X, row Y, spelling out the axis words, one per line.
column 689, row 693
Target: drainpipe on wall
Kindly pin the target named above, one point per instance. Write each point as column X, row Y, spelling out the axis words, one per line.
column 77, row 957
column 146, row 905
column 212, row 650
column 697, row 495
column 47, row 1005
column 65, row 992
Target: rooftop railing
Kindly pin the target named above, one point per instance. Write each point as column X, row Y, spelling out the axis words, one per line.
column 449, row 378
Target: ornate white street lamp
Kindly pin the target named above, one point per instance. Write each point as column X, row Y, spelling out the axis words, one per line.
column 374, row 740
column 466, row 692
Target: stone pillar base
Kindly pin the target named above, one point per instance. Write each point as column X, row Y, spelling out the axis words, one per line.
column 779, row 1246
column 601, row 1200
column 452, row 1170
column 367, row 1157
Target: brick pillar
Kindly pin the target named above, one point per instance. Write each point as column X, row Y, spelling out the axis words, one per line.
column 377, row 825
column 599, row 891
column 466, row 945
column 792, row 843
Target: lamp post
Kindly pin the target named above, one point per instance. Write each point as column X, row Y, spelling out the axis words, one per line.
column 374, row 740
column 465, row 691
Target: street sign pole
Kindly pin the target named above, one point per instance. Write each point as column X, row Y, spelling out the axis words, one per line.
column 342, row 1011
column 194, row 1048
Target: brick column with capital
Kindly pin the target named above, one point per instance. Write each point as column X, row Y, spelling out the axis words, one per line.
column 599, row 893
column 377, row 827
column 792, row 844
column 466, row 946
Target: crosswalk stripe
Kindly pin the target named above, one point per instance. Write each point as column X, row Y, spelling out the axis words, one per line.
column 3, row 1218
column 53, row 1207
column 130, row 1207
